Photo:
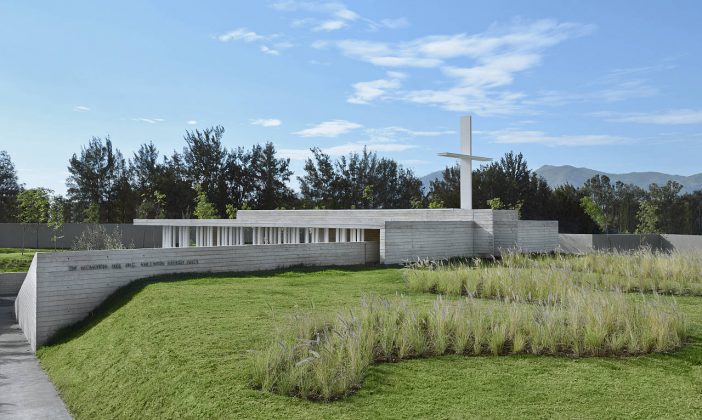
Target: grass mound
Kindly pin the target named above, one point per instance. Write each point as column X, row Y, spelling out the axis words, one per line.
column 12, row 259
column 327, row 359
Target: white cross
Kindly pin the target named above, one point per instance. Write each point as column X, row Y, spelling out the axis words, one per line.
column 466, row 162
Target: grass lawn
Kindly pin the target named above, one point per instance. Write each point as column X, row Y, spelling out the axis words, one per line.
column 12, row 259
column 178, row 349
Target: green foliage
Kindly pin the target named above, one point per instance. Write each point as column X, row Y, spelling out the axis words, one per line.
column 55, row 220
column 9, row 188
column 648, row 218
column 359, row 181
column 495, row 203
column 595, row 212
column 231, row 211
column 92, row 214
column 33, row 205
column 203, row 208
column 436, row 204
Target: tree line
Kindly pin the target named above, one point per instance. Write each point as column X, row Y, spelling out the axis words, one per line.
column 208, row 180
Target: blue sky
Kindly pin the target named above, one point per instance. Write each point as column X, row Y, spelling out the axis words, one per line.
column 609, row 85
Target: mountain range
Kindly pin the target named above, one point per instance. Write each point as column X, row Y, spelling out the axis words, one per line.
column 559, row 175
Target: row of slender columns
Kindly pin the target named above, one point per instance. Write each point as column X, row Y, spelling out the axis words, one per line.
column 173, row 236
column 229, row 236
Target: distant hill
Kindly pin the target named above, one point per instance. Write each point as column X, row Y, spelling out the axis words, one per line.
column 559, row 175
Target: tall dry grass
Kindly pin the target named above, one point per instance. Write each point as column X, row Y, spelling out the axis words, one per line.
column 527, row 278
column 678, row 273
column 326, row 358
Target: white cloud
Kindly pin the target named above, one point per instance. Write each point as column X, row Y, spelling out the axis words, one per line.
column 395, row 23
column 81, row 108
column 345, row 149
column 149, row 120
column 241, row 34
column 338, row 16
column 329, row 129
column 365, row 92
column 330, row 25
column 672, row 117
column 393, row 133
column 539, row 137
column 191, row 122
column 497, row 57
column 267, row 122
column 269, row 51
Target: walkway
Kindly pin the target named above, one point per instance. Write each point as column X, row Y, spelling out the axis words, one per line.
column 25, row 390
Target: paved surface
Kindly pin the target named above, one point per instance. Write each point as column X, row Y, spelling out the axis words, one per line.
column 25, row 390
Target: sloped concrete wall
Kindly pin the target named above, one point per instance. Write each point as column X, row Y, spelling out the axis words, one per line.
column 26, row 304
column 62, row 288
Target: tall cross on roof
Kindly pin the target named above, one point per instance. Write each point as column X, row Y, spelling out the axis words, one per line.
column 466, row 162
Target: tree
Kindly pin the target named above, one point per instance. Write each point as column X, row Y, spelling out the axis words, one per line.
column 56, row 218
column 9, row 188
column 206, row 161
column 203, row 208
column 271, row 175
column 567, row 209
column 446, row 191
column 648, row 218
column 359, row 180
column 595, row 212
column 33, row 206
column 98, row 179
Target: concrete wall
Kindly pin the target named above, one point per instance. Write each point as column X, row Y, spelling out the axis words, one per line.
column 537, row 235
column 427, row 239
column 62, row 288
column 26, row 304
column 10, row 283
column 583, row 243
column 11, row 235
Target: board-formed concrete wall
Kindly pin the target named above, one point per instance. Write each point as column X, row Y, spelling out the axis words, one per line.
column 537, row 235
column 11, row 235
column 10, row 283
column 62, row 288
column 26, row 304
column 406, row 241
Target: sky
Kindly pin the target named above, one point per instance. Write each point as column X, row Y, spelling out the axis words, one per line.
column 609, row 85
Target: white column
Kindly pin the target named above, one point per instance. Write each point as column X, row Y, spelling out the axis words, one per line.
column 326, row 234
column 307, row 235
column 241, row 236
column 466, row 165
column 363, row 235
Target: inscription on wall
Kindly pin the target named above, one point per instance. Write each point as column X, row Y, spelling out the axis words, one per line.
column 120, row 266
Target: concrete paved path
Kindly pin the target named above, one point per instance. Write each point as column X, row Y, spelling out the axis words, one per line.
column 25, row 390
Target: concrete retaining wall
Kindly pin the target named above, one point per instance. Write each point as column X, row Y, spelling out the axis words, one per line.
column 10, row 283
column 537, row 235
column 62, row 288
column 584, row 243
column 411, row 240
column 11, row 235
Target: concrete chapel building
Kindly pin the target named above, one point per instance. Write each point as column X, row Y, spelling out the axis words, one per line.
column 391, row 236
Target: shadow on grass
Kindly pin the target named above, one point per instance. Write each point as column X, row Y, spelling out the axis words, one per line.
column 124, row 294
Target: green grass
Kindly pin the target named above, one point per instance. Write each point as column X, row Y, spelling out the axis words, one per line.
column 12, row 259
column 167, row 349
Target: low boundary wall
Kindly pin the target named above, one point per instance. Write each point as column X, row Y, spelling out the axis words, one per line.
column 10, row 283
column 11, row 235
column 62, row 288
column 584, row 243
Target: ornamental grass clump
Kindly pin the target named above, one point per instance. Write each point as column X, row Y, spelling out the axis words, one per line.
column 327, row 359
column 643, row 270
